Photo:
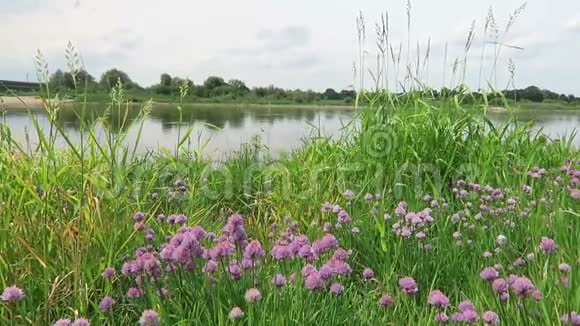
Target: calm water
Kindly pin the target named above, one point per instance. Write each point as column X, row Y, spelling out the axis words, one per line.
column 219, row 130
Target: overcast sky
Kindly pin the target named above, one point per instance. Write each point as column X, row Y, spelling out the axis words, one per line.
column 292, row 44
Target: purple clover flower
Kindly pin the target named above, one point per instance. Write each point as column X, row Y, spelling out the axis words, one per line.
column 500, row 285
column 336, row 288
column 368, row 274
column 279, row 280
column 280, row 252
column 236, row 314
column 348, row 194
column 180, row 219
column 466, row 305
column 457, row 317
column 211, row 266
column 108, row 272
column 547, row 245
column 438, row 299
column 138, row 217
column 564, row 268
column 327, row 207
column 106, row 304
column 134, row 293
column 235, row 270
column 327, row 227
column 441, row 318
column 149, row 318
column 386, row 301
column 62, row 322
column 572, row 318
column 81, row 322
column 314, row 281
column 470, row 317
column 522, row 286
column 489, row 274
column 326, row 271
column 490, row 318
column 12, row 294
column 224, row 248
column 343, row 217
column 565, row 282
column 327, row 242
column 519, row 262
column 253, row 295
column 308, row 269
column 254, row 250
column 408, row 285
column 501, row 239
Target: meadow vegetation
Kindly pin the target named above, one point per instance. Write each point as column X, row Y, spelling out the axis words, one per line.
column 421, row 212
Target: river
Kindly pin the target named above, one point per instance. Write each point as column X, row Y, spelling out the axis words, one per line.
column 218, row 130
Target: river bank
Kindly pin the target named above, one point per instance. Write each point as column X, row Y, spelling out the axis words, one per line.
column 20, row 101
column 35, row 102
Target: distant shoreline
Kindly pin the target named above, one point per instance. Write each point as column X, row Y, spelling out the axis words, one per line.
column 35, row 102
column 14, row 102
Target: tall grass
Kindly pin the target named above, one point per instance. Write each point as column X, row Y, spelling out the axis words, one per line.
column 67, row 212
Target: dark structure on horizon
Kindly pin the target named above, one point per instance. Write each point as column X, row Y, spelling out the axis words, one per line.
column 18, row 86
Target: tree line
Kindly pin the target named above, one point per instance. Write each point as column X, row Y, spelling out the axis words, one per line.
column 218, row 88
column 212, row 87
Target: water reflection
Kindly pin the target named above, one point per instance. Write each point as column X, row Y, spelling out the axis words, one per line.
column 169, row 117
column 554, row 124
column 224, row 128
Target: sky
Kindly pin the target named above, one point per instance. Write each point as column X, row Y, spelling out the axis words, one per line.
column 291, row 44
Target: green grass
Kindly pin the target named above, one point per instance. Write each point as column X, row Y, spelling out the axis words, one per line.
column 142, row 96
column 67, row 214
column 548, row 105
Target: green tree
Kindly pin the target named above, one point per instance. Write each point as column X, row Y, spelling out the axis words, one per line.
column 81, row 79
column 347, row 93
column 222, row 90
column 238, row 86
column 176, row 82
column 57, row 81
column 260, row 91
column 331, row 94
column 533, row 94
column 165, row 80
column 199, row 91
column 111, row 77
column 213, row 82
column 548, row 94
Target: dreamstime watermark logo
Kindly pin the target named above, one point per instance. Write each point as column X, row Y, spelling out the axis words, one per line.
column 288, row 183
column 377, row 143
column 371, row 167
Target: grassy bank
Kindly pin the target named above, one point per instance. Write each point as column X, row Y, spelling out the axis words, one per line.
column 141, row 96
column 548, row 105
column 435, row 189
column 33, row 100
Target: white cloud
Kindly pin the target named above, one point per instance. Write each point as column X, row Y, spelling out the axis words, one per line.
column 573, row 24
